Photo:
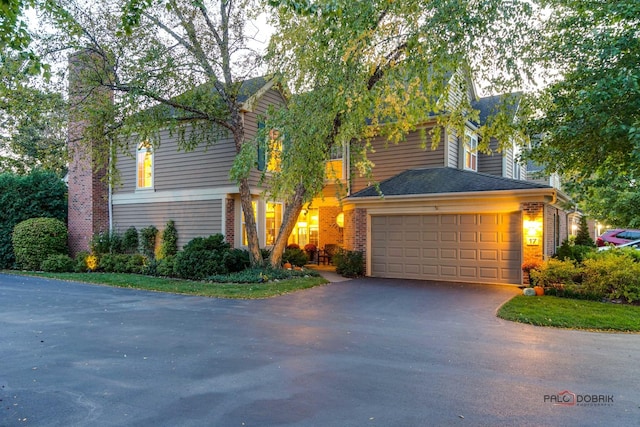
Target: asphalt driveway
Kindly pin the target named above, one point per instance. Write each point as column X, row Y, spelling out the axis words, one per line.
column 359, row 353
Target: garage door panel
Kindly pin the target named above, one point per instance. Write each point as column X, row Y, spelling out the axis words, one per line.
column 394, row 252
column 489, row 273
column 449, row 253
column 412, row 252
column 489, row 255
column 468, row 272
column 510, row 255
column 448, row 219
column 468, row 254
column 448, row 271
column 429, row 236
column 448, row 236
column 488, row 237
column 489, row 219
column 468, row 236
column 483, row 248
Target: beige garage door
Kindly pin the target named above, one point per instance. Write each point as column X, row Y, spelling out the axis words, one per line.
column 477, row 248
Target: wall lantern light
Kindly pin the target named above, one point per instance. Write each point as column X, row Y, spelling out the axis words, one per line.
column 533, row 231
column 340, row 219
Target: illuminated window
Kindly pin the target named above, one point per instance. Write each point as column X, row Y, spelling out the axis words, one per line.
column 275, row 151
column 245, row 240
column 334, row 167
column 145, row 165
column 273, row 222
column 470, row 150
column 270, row 151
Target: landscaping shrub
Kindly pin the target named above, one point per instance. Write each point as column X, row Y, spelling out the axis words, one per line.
column 130, row 241
column 106, row 242
column 261, row 275
column 349, row 263
column 572, row 251
column 59, row 263
column 202, row 257
column 35, row 239
column 613, row 274
column 295, row 256
column 166, row 266
column 169, row 245
column 148, row 241
column 81, row 262
column 38, row 194
column 122, row 263
column 555, row 271
column 236, row 260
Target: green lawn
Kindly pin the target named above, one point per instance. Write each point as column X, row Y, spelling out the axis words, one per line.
column 220, row 290
column 572, row 313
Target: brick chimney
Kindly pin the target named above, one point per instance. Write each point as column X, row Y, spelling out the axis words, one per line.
column 88, row 201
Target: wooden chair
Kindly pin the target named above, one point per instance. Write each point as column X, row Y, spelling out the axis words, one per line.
column 326, row 255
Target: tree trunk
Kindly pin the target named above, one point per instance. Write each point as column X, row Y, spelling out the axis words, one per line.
column 291, row 213
column 255, row 256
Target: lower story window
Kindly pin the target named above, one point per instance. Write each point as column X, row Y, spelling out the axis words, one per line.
column 273, row 222
column 245, row 240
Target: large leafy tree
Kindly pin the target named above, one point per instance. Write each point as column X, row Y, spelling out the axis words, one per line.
column 358, row 69
column 163, row 60
column 589, row 117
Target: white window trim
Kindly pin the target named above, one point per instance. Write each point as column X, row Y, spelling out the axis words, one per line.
column 472, row 150
column 345, row 157
column 143, row 149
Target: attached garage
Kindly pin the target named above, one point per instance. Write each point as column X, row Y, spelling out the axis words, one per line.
column 446, row 224
column 478, row 248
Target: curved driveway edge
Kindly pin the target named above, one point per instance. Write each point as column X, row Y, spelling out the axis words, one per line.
column 357, row 353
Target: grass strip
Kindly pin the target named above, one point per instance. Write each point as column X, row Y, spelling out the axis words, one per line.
column 187, row 287
column 572, row 313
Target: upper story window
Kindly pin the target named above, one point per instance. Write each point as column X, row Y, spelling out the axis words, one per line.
column 144, row 162
column 270, row 151
column 517, row 173
column 470, row 150
column 334, row 168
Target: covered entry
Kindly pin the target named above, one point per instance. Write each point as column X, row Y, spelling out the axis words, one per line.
column 478, row 248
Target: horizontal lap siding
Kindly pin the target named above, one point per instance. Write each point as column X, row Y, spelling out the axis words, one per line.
column 251, row 119
column 207, row 166
column 179, row 170
column 491, row 163
column 192, row 219
column 397, row 158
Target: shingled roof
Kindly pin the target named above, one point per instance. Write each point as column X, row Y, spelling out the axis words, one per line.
column 444, row 180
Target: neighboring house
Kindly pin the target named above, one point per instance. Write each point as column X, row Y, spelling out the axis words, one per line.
column 447, row 213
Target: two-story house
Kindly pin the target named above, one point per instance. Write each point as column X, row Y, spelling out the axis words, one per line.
column 447, row 213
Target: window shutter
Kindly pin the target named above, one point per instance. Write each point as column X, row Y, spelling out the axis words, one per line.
column 262, row 147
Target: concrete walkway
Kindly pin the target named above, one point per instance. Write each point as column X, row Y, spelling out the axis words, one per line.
column 328, row 272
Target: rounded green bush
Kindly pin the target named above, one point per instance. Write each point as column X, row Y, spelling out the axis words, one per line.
column 36, row 239
column 58, row 264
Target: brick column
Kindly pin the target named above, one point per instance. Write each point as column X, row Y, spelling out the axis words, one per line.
column 532, row 211
column 230, row 224
column 88, row 188
column 328, row 230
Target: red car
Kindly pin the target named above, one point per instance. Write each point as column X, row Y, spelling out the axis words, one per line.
column 617, row 237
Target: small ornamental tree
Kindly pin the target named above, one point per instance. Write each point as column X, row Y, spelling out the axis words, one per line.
column 169, row 246
column 36, row 239
column 148, row 241
column 583, row 238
